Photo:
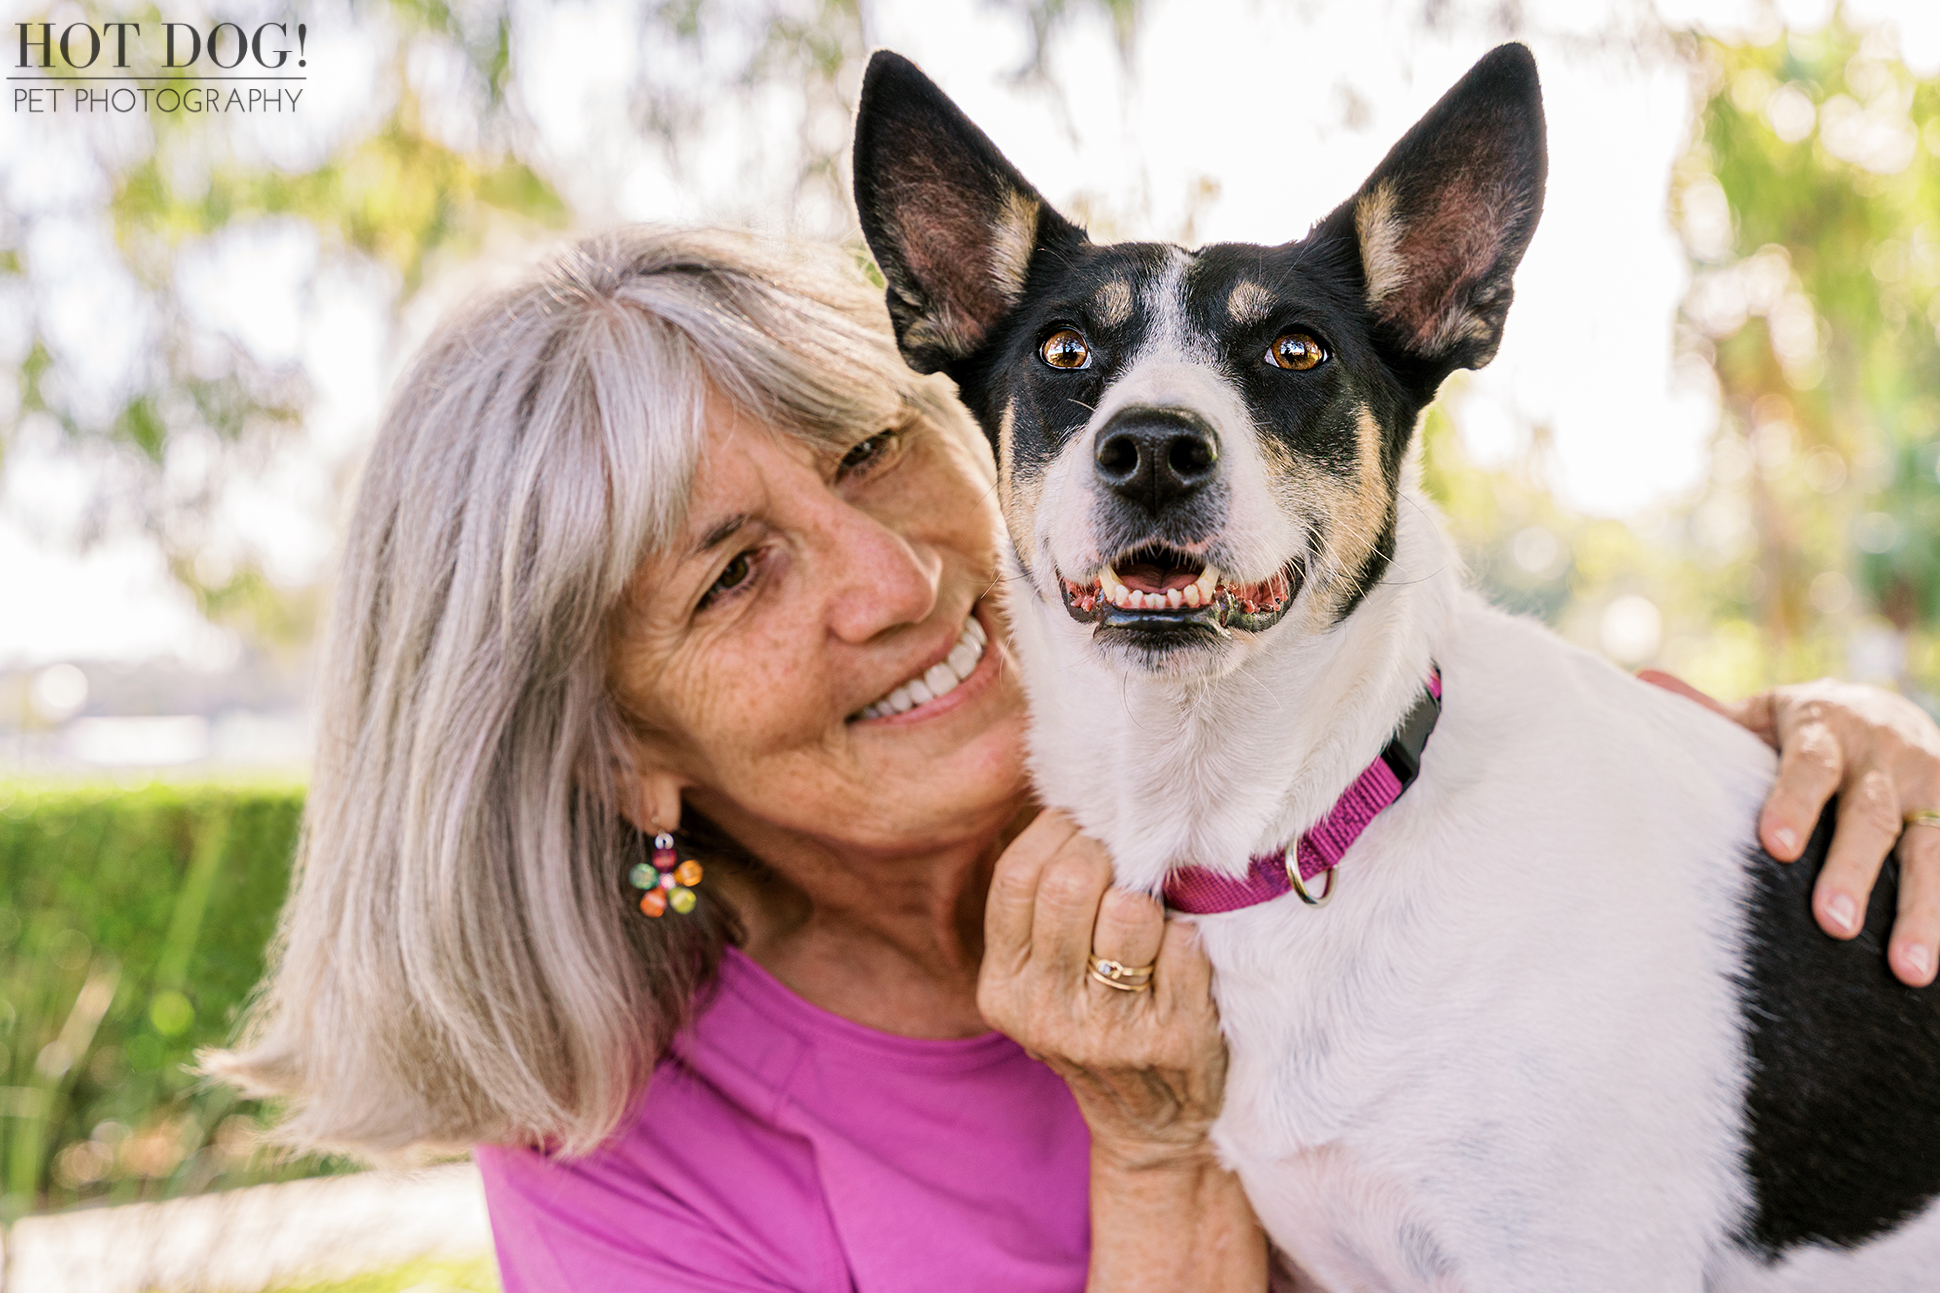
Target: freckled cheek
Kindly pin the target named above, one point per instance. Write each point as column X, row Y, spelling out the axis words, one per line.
column 759, row 697
column 951, row 516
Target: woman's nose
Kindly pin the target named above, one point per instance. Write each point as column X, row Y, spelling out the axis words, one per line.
column 881, row 578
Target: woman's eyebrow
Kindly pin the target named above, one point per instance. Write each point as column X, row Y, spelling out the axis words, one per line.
column 720, row 533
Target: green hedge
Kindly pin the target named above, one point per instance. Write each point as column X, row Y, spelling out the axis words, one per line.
column 132, row 927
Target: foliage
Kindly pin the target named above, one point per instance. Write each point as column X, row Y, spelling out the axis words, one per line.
column 429, row 1276
column 132, row 928
column 401, row 191
column 1810, row 203
column 390, row 199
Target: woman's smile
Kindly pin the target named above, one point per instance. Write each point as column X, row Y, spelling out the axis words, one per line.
column 959, row 676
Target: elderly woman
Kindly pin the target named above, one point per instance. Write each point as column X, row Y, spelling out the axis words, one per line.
column 667, row 544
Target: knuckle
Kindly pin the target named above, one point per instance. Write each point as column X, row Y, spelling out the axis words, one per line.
column 1876, row 801
column 1066, row 886
column 1922, row 778
column 1012, row 880
column 1129, row 911
column 1815, row 747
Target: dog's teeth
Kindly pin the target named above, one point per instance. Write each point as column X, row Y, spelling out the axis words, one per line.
column 1108, row 579
column 1191, row 595
column 1207, row 581
column 1174, row 598
column 1135, row 600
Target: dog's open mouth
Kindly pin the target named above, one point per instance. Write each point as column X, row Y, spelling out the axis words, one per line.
column 1156, row 588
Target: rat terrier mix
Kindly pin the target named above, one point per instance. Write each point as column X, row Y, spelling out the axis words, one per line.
column 1564, row 1026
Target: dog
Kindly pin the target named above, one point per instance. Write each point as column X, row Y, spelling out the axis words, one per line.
column 1564, row 1025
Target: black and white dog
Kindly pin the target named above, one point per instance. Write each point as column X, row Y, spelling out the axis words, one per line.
column 1565, row 1027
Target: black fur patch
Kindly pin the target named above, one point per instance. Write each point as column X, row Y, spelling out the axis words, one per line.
column 1844, row 1103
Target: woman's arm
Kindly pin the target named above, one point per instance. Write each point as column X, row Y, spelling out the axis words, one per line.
column 1148, row 1069
column 1880, row 754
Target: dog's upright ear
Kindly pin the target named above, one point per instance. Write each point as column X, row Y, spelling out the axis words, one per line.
column 1444, row 220
column 952, row 224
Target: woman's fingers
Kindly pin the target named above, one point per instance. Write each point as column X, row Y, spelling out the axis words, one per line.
column 1812, row 762
column 1010, row 910
column 1074, row 881
column 1868, row 824
column 1916, row 930
column 1183, row 979
column 1129, row 929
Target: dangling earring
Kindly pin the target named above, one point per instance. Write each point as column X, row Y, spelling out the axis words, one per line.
column 667, row 882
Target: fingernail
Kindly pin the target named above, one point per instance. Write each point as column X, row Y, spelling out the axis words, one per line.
column 1919, row 960
column 1841, row 910
column 1786, row 838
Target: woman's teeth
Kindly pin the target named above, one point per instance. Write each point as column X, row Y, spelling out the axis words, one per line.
column 940, row 680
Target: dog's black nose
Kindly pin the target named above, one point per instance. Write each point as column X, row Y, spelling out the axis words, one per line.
column 1154, row 457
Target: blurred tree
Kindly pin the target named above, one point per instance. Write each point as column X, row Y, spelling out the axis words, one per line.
column 1810, row 203
column 443, row 154
column 392, row 196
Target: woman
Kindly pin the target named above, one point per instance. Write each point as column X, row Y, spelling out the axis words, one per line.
column 669, row 540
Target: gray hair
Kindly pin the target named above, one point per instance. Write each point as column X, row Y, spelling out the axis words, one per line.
column 458, row 959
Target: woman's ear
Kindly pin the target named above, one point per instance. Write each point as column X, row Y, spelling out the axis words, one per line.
column 650, row 799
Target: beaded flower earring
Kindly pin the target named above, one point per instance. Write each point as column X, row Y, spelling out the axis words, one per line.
column 667, row 881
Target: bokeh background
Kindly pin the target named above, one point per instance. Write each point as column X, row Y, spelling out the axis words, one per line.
column 1709, row 443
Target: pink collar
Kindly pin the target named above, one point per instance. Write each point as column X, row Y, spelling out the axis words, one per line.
column 1201, row 892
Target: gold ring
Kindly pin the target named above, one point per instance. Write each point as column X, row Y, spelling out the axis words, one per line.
column 1117, row 974
column 1924, row 817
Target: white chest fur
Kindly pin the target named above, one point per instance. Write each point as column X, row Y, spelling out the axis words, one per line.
column 1508, row 1055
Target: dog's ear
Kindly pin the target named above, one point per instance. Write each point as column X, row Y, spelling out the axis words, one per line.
column 1444, row 220
column 952, row 224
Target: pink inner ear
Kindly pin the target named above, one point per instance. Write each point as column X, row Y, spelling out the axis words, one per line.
column 946, row 237
column 1448, row 246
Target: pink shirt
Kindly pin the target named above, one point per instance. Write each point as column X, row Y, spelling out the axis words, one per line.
column 783, row 1147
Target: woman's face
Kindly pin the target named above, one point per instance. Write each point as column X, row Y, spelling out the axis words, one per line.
column 781, row 652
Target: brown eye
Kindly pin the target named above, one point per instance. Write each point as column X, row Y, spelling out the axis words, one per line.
column 869, row 452
column 1296, row 351
column 733, row 575
column 1065, row 348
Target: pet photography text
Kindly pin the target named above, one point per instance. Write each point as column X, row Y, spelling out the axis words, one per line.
column 124, row 67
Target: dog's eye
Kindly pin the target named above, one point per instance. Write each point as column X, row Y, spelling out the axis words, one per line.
column 1296, row 351
column 1065, row 348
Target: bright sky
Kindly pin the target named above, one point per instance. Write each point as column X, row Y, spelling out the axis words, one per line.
column 1271, row 112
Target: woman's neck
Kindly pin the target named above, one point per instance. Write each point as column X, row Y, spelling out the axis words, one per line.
column 890, row 942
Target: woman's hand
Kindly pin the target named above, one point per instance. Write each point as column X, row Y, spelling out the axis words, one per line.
column 1148, row 1068
column 1880, row 754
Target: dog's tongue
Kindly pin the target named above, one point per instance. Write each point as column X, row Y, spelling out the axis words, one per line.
column 1150, row 577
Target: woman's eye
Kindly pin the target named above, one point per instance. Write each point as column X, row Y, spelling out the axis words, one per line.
column 736, row 573
column 1065, row 348
column 868, row 453
column 1295, row 351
